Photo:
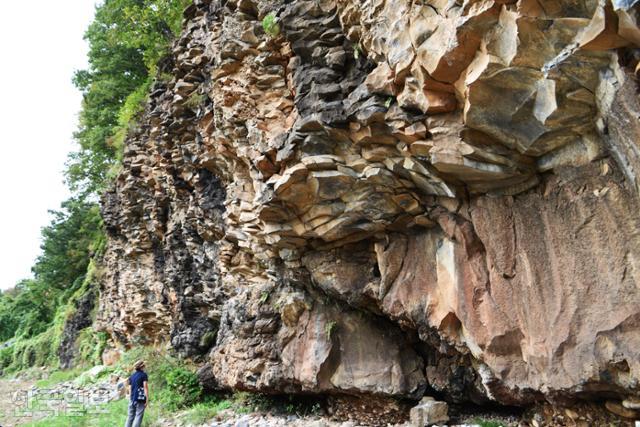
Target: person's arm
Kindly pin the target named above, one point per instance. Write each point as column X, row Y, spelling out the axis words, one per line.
column 146, row 392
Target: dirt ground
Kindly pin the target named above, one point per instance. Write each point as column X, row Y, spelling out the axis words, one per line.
column 13, row 403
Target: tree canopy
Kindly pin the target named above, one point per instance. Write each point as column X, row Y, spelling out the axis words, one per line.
column 126, row 40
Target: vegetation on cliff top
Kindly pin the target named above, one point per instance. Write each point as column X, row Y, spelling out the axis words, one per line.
column 126, row 40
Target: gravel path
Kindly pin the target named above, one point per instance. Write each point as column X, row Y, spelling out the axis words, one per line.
column 228, row 418
column 12, row 392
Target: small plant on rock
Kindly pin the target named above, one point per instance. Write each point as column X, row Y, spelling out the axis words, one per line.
column 208, row 339
column 357, row 51
column 389, row 101
column 270, row 25
column 264, row 296
column 195, row 101
column 164, row 77
column 330, row 328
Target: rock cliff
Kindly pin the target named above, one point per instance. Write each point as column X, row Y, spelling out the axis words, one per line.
column 388, row 198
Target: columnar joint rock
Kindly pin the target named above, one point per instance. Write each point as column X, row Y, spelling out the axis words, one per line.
column 388, row 197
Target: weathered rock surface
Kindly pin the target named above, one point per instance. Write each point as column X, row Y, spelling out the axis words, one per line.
column 388, row 198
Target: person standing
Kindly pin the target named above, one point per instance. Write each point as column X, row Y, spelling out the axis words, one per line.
column 138, row 383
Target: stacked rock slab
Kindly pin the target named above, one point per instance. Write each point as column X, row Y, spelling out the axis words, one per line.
column 387, row 197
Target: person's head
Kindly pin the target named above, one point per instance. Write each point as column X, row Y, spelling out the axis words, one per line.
column 139, row 365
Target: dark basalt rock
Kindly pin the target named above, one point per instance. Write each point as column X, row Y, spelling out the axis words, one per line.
column 79, row 320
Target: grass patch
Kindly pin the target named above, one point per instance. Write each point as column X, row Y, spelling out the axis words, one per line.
column 109, row 415
column 486, row 423
column 57, row 377
column 205, row 411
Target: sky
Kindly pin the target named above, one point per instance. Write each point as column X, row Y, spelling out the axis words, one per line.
column 41, row 45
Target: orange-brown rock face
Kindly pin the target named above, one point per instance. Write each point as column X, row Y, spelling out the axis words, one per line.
column 389, row 197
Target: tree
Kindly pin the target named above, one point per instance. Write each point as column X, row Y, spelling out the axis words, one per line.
column 27, row 311
column 126, row 39
column 68, row 243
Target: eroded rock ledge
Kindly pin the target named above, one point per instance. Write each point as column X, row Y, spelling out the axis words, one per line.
column 388, row 198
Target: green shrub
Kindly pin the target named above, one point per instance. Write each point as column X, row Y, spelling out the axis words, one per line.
column 164, row 77
column 134, row 104
column 113, row 171
column 128, row 116
column 42, row 349
column 6, row 357
column 270, row 25
column 183, row 389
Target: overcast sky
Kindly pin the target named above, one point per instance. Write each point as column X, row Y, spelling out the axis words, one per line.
column 40, row 46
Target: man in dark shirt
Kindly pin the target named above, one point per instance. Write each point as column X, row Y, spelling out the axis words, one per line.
column 138, row 382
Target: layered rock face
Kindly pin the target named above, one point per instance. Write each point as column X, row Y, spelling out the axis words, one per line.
column 387, row 198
